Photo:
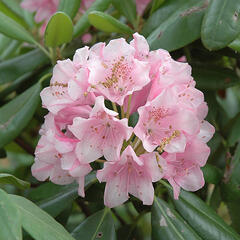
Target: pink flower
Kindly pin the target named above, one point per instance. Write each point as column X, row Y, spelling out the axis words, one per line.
column 86, row 38
column 141, row 5
column 115, row 72
column 69, row 84
column 129, row 174
column 44, row 8
column 100, row 134
column 183, row 169
column 163, row 122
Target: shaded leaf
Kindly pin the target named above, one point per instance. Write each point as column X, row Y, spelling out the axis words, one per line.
column 59, row 30
column 82, row 24
column 14, row 30
column 98, row 226
column 107, row 23
column 221, row 17
column 212, row 174
column 10, row 179
column 69, row 7
column 10, row 219
column 38, row 223
column 167, row 224
column 15, row 115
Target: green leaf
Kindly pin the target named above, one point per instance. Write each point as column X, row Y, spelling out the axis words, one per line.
column 4, row 9
column 55, row 198
column 14, row 6
column 38, row 223
column 59, row 30
column 10, row 219
column 83, row 24
column 127, row 8
column 107, row 23
column 234, row 209
column 69, row 7
column 235, row 45
column 15, row 115
column 10, row 179
column 16, row 67
column 180, row 28
column 212, row 174
column 98, row 226
column 3, row 153
column 203, row 219
column 14, row 30
column 221, row 17
column 155, row 5
column 214, row 78
column 167, row 224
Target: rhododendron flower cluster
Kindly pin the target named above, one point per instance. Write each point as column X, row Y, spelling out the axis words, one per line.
column 90, row 99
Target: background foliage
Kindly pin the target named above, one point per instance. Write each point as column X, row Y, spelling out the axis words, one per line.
column 207, row 33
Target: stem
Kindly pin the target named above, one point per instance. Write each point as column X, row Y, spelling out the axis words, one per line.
column 135, row 141
column 100, row 160
column 115, row 107
column 24, row 145
column 45, row 77
column 122, row 112
column 129, row 105
column 138, row 142
column 43, row 49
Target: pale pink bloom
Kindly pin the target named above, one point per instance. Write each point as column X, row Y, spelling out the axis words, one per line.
column 68, row 86
column 130, row 174
column 182, row 170
column 141, row 5
column 44, row 8
column 86, row 38
column 182, row 59
column 165, row 72
column 55, row 158
column 100, row 134
column 206, row 131
column 163, row 122
column 115, row 72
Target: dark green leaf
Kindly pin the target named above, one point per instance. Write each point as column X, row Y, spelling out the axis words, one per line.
column 107, row 23
column 221, row 24
column 234, row 209
column 14, row 30
column 133, row 119
column 59, row 30
column 234, row 130
column 3, row 153
column 212, row 174
column 203, row 219
column 174, row 31
column 168, row 225
column 38, row 223
column 10, row 179
column 55, row 198
column 15, row 115
column 83, row 24
column 10, row 219
column 127, row 8
column 16, row 67
column 69, row 7
column 98, row 226
column 213, row 78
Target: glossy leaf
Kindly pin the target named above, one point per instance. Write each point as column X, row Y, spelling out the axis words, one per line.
column 221, row 24
column 213, row 78
column 107, row 23
column 235, row 45
column 10, row 219
column 82, row 24
column 203, row 219
column 98, row 226
column 212, row 174
column 167, row 224
column 38, row 223
column 59, row 30
column 55, row 198
column 127, row 8
column 16, row 67
column 69, row 7
column 14, row 30
column 15, row 115
column 10, row 179
column 173, row 32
